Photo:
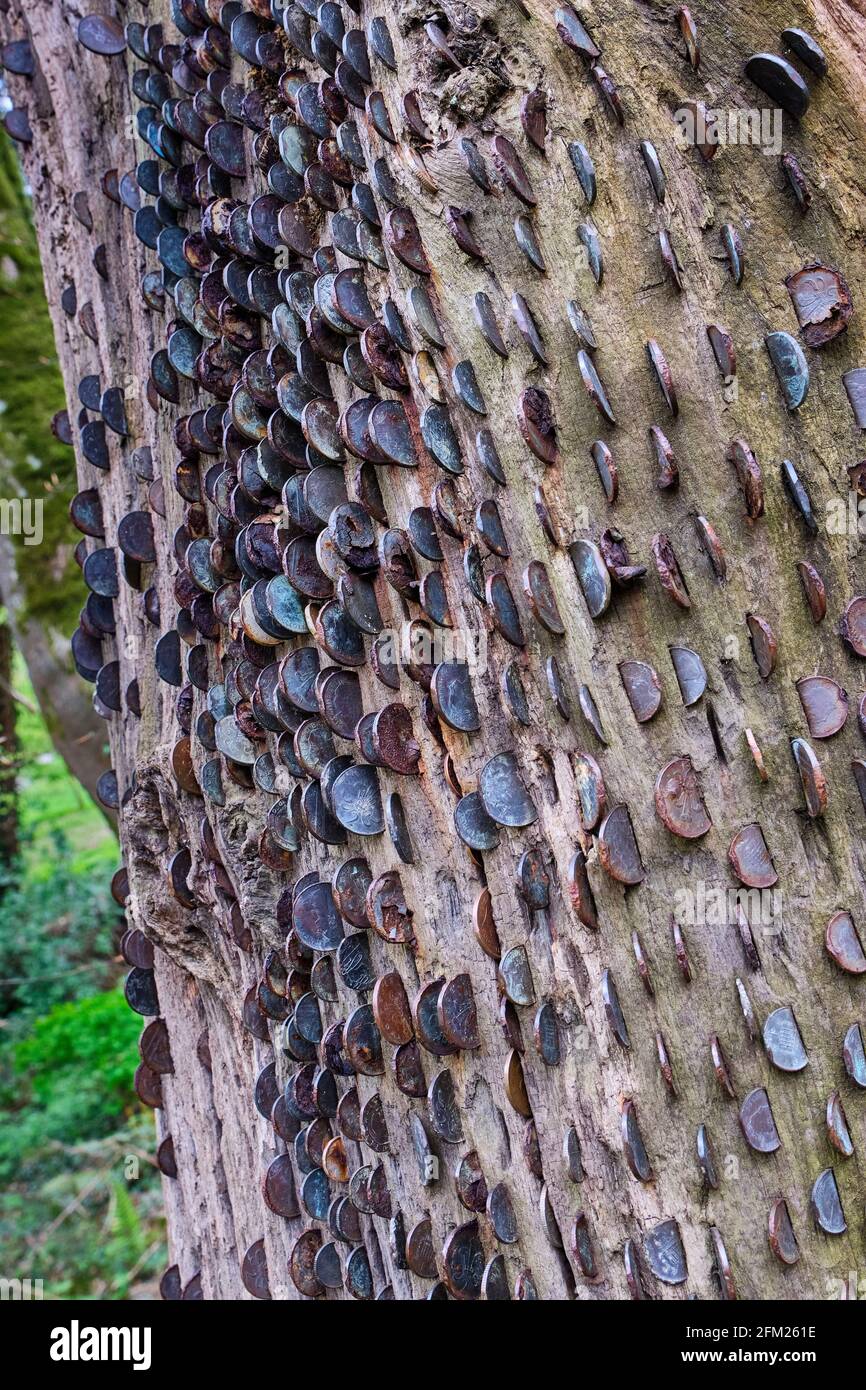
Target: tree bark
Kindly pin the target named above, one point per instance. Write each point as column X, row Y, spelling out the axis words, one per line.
column 81, row 112
column 37, row 475
column 8, row 756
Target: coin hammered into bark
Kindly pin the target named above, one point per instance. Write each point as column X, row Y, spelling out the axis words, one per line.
column 503, row 792
column 757, row 1122
column 791, row 367
column 593, row 576
column 536, row 422
column 750, row 858
column 618, row 848
column 678, row 800
column 643, row 688
column 825, row 705
column 826, row 1204
column 764, row 646
column 843, row 943
column 822, row 302
column 669, row 571
column 854, row 1055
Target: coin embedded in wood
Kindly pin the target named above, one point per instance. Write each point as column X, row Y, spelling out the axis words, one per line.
column 613, row 1010
column 632, row 1142
column 357, row 801
column 825, row 705
column 844, row 945
column 350, row 884
column 391, row 1009
column 582, row 1246
column 593, row 576
column 503, row 793
column 643, row 688
column 484, row 925
column 302, row 1263
column 463, row 1262
column 140, row 992
column 254, row 1271
column 665, row 1254
column 837, row 1126
column 516, row 977
column 515, row 1085
column 266, row 1090
column 618, row 848
column 541, row 597
column 588, row 237
column 827, row 1204
column 496, row 592
column 854, row 1055
column 279, row 1187
column 315, row 918
column 402, row 235
column 783, row 1242
column 811, row 776
column 545, row 1031
column 455, row 1009
column 783, row 1041
column 500, row 1211
column 362, row 1041
column 387, row 909
column 453, row 697
column 678, row 800
column 537, row 424
column 750, row 858
column 443, row 1109
column 757, row 1123
column 780, row 81
column 355, row 968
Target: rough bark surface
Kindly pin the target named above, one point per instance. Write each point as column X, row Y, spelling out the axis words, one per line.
column 81, row 113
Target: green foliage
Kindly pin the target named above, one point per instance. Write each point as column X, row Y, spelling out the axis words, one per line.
column 82, row 1225
column 31, row 392
column 56, row 936
column 96, row 1035
column 80, row 1206
column 81, row 1202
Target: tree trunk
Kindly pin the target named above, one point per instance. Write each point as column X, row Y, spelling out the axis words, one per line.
column 37, row 481
column 8, row 763
column 620, row 1034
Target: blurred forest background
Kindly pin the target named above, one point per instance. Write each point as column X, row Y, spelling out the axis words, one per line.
column 80, row 1201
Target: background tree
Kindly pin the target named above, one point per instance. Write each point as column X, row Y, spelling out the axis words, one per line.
column 41, row 600
column 596, row 1085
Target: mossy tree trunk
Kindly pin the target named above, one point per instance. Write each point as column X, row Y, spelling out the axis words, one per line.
column 37, row 473
column 80, row 109
column 8, row 751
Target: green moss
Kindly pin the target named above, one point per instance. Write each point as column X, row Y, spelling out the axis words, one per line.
column 31, row 392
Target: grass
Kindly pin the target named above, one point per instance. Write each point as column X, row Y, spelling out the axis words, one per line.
column 81, row 1203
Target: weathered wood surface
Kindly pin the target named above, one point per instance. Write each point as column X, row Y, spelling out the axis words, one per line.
column 81, row 113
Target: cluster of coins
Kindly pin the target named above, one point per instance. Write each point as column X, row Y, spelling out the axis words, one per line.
column 309, row 368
